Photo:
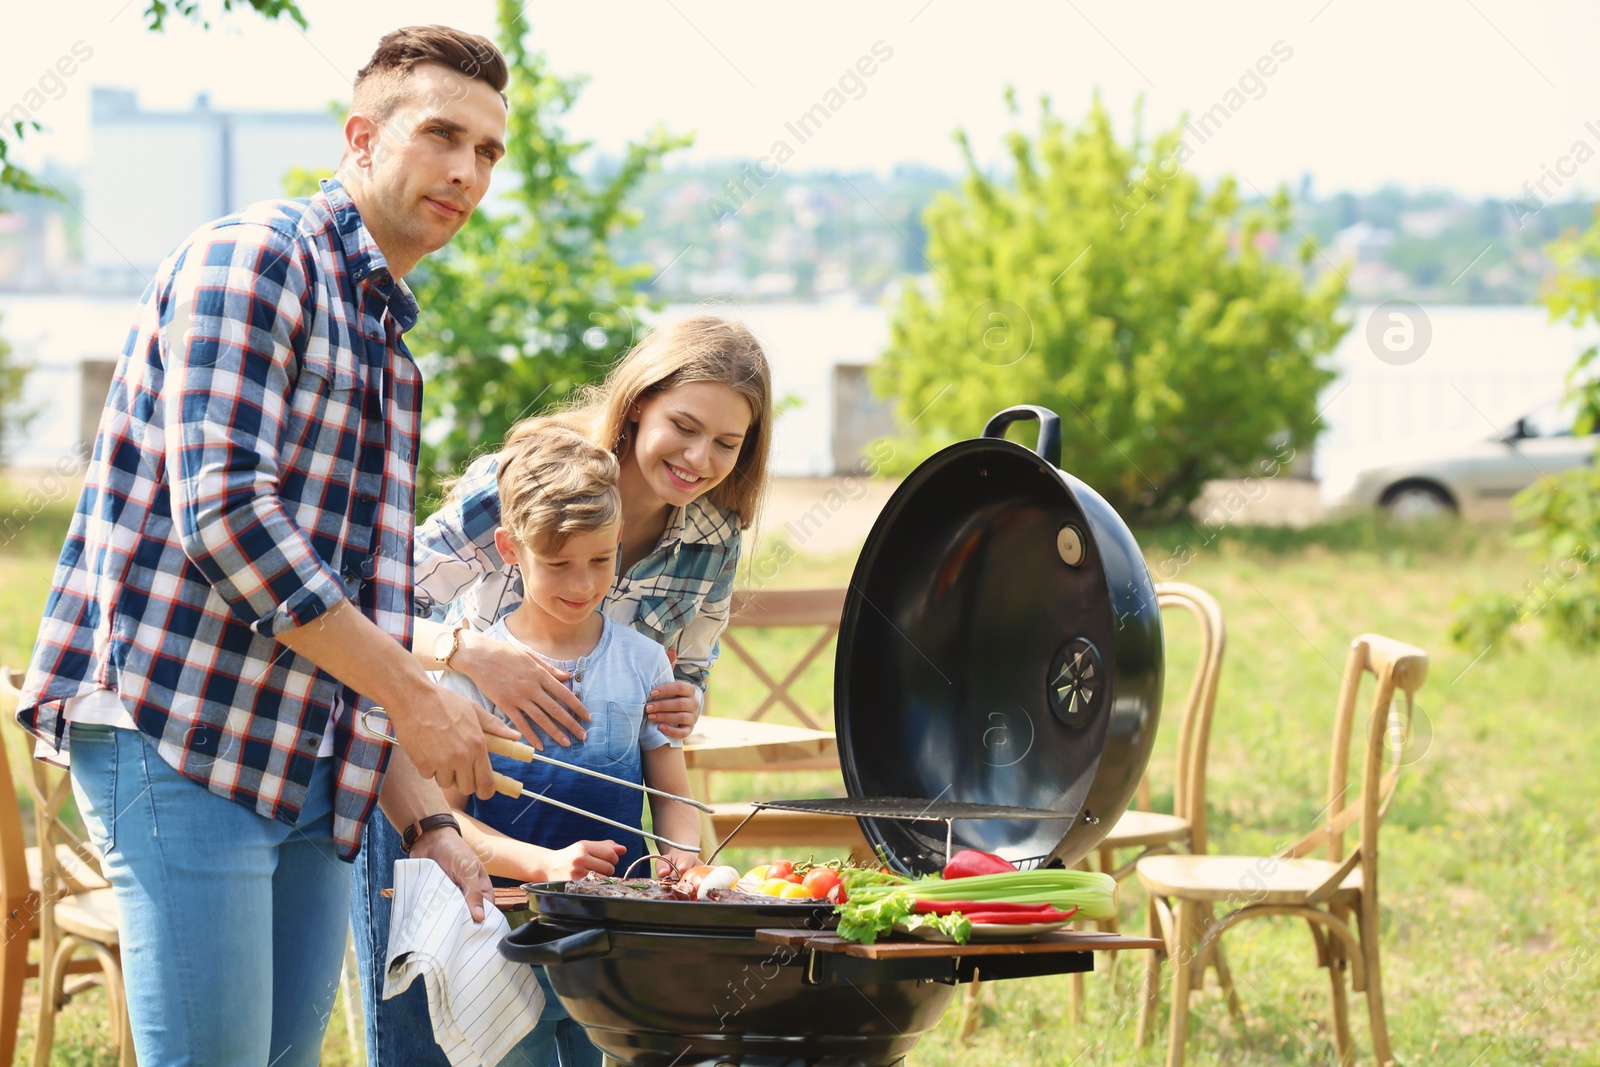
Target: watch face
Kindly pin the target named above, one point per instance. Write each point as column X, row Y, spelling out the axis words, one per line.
column 443, row 645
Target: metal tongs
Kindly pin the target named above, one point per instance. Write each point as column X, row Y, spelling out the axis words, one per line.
column 506, row 785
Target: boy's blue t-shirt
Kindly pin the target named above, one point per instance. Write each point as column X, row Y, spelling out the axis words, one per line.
column 613, row 681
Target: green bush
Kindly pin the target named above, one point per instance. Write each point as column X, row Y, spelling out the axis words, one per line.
column 1101, row 281
column 1562, row 512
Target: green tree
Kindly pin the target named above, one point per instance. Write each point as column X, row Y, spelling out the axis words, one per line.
column 13, row 417
column 156, row 13
column 528, row 304
column 1562, row 513
column 1103, row 282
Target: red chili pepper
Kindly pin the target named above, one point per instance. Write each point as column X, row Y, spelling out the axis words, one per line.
column 945, row 907
column 1018, row 917
column 970, row 862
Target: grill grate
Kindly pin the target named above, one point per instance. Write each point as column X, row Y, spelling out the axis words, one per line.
column 909, row 808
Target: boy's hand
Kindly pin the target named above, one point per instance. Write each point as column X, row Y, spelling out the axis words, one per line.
column 674, row 707
column 680, row 861
column 523, row 686
column 581, row 858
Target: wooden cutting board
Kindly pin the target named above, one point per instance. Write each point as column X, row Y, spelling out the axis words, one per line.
column 1059, row 941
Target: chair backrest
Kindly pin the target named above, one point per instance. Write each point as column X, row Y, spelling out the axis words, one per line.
column 1194, row 725
column 50, row 787
column 765, row 608
column 1398, row 671
column 16, row 896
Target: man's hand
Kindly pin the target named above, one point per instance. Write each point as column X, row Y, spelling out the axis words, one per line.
column 522, row 686
column 441, row 731
column 674, row 707
column 581, row 858
column 461, row 865
column 443, row 734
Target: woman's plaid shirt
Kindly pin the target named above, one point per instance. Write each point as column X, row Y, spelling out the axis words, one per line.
column 679, row 596
column 255, row 465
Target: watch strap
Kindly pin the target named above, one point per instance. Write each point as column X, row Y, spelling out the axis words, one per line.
column 455, row 643
column 408, row 837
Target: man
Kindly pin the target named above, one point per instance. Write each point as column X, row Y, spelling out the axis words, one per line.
column 239, row 570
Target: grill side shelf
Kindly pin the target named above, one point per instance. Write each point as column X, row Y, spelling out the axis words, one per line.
column 1059, row 942
column 830, row 959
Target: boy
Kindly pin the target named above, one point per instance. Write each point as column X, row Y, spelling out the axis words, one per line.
column 561, row 516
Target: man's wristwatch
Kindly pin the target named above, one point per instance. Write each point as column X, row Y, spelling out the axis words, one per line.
column 408, row 838
column 448, row 644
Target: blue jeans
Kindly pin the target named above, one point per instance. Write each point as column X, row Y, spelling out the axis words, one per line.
column 399, row 1031
column 233, row 925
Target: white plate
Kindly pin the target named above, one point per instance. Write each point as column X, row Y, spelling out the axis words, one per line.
column 985, row 931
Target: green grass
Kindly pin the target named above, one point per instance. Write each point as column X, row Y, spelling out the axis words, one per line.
column 1490, row 864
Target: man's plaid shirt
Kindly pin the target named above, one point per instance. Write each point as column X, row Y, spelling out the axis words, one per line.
column 255, row 465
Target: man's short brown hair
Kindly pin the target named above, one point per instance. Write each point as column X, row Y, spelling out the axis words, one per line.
column 379, row 86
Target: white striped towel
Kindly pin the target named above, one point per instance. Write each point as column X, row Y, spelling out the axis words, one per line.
column 481, row 1003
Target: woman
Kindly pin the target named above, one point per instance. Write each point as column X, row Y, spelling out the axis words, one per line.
column 688, row 413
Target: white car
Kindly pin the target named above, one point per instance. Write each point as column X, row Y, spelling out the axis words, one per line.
column 1476, row 478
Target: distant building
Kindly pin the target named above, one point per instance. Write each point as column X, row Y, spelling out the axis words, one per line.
column 156, row 175
column 1361, row 243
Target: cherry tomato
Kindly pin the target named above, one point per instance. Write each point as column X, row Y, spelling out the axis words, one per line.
column 781, row 869
column 791, row 890
column 755, row 875
column 772, row 887
column 820, row 881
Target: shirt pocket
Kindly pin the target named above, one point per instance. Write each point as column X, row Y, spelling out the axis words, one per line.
column 661, row 617
column 324, row 413
column 321, row 437
column 623, row 721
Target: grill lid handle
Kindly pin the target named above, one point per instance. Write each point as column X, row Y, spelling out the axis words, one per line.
column 1049, row 445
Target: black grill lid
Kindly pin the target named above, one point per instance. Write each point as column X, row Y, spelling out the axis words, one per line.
column 1000, row 645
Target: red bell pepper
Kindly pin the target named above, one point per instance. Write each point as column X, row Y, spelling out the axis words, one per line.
column 969, row 862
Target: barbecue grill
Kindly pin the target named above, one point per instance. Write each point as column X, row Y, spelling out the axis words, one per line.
column 997, row 686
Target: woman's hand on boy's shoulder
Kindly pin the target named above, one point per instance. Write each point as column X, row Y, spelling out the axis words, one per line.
column 674, row 707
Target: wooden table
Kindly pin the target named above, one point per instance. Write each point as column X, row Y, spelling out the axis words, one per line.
column 743, row 745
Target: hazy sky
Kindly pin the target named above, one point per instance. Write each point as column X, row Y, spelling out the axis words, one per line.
column 1476, row 95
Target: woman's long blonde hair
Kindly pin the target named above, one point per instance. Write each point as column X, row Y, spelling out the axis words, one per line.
column 701, row 348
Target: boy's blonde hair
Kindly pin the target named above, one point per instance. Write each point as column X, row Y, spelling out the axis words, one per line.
column 700, row 348
column 555, row 482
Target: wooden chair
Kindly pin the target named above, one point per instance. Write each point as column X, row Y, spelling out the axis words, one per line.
column 765, row 609
column 72, row 908
column 1157, row 833
column 21, row 880
column 1324, row 892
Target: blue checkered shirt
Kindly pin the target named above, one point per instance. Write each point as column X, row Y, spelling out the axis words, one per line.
column 255, row 465
column 679, row 595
